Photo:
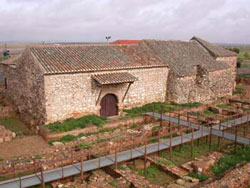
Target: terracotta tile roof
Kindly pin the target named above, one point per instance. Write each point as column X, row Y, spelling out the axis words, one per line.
column 214, row 50
column 114, row 78
column 126, row 42
column 83, row 58
column 182, row 57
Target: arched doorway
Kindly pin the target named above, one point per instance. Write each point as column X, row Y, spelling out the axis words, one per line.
column 109, row 105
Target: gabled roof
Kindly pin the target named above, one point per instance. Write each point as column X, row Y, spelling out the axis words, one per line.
column 84, row 58
column 114, row 78
column 214, row 50
column 182, row 57
column 125, row 42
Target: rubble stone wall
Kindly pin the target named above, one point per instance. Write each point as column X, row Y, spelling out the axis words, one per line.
column 75, row 95
column 231, row 61
column 186, row 89
column 25, row 86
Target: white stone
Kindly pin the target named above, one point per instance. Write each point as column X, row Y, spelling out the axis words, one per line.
column 56, row 144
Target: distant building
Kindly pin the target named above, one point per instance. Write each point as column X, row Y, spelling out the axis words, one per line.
column 53, row 83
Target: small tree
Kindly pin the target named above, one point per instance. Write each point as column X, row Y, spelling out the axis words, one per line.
column 246, row 55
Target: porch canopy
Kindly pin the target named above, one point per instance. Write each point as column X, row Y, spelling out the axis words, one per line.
column 114, row 78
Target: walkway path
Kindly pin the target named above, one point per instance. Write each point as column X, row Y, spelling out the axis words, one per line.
column 74, row 169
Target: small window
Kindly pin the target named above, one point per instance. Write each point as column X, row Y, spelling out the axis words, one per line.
column 5, row 83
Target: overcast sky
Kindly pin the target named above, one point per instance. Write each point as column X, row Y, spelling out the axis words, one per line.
column 224, row 21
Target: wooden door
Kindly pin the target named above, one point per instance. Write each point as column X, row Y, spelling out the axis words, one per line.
column 109, row 105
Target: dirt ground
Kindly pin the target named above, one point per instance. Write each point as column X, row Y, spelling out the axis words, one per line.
column 29, row 145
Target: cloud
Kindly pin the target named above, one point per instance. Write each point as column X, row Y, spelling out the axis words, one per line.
column 91, row 21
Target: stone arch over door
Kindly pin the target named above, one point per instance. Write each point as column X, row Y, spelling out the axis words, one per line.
column 109, row 105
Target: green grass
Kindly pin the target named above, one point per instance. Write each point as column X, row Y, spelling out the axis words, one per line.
column 194, row 113
column 1, row 159
column 2, row 58
column 245, row 65
column 85, row 146
column 243, row 75
column 134, row 126
column 15, row 125
column 112, row 183
column 242, row 52
column 155, row 106
column 238, row 90
column 200, row 177
column 107, row 130
column 100, row 140
column 209, row 112
column 37, row 156
column 187, row 105
column 69, row 138
column 167, row 163
column 155, row 175
column 230, row 160
column 82, row 122
column 181, row 156
column 225, row 106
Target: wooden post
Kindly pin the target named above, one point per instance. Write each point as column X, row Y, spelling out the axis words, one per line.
column 34, row 165
column 198, row 140
column 219, row 136
column 153, row 110
column 145, row 157
column 42, row 177
column 99, row 161
column 170, row 144
column 192, row 140
column 181, row 138
column 20, row 182
column 131, row 151
column 81, row 169
column 14, row 170
column 116, row 165
column 247, row 124
column 71, row 155
column 161, row 118
column 210, row 138
column 159, row 141
column 235, row 141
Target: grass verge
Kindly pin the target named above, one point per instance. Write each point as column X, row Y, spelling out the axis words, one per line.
column 82, row 122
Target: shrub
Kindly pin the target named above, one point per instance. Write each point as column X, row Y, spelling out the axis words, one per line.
column 1, row 159
column 230, row 160
column 71, row 124
column 200, row 177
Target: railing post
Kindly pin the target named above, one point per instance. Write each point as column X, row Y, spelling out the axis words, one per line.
column 14, row 170
column 145, row 157
column 235, row 141
column 116, row 165
column 81, row 169
column 210, row 138
column 219, row 136
column 192, row 140
column 131, row 150
column 42, row 177
column 170, row 144
column 161, row 117
column 159, row 141
column 71, row 155
column 20, row 182
column 181, row 138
